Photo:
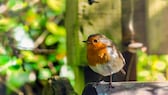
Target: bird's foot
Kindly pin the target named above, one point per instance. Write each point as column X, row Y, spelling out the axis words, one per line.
column 100, row 82
column 110, row 85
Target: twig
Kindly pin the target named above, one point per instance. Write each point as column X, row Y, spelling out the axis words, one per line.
column 43, row 50
column 40, row 39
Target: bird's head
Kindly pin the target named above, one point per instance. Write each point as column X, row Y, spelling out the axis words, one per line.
column 97, row 41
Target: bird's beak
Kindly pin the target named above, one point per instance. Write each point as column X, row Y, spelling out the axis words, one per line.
column 84, row 41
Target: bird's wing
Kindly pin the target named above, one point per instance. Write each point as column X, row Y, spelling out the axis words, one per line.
column 120, row 55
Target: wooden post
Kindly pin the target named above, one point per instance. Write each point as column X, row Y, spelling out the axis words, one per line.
column 140, row 19
column 71, row 24
column 128, row 37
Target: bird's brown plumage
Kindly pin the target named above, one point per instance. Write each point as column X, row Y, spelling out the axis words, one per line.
column 102, row 55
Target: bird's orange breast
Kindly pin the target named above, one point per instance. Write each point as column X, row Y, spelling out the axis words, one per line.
column 97, row 56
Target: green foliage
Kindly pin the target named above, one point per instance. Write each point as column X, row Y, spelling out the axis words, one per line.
column 6, row 23
column 152, row 67
column 31, row 22
column 57, row 6
column 4, row 59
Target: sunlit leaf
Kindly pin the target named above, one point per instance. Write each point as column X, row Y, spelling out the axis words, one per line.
column 153, row 58
column 6, row 24
column 41, row 61
column 151, row 67
column 44, row 74
column 62, row 31
column 58, row 6
column 19, row 61
column 28, row 56
column 55, row 29
column 52, row 27
column 159, row 65
column 5, row 21
column 50, row 40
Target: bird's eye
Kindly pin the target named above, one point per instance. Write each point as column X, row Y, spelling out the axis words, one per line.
column 95, row 41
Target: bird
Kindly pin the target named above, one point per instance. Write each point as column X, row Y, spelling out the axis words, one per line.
column 103, row 56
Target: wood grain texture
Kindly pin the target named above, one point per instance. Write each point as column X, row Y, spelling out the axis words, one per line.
column 127, row 88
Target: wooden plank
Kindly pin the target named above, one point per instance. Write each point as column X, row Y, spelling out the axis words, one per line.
column 157, row 22
column 103, row 17
column 127, row 88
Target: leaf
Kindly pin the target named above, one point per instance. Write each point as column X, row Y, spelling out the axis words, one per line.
column 14, row 67
column 43, row 21
column 159, row 65
column 30, row 66
column 55, row 29
column 61, row 48
column 52, row 57
column 33, row 19
column 62, row 31
column 51, row 39
column 4, row 59
column 28, row 56
column 52, row 27
column 58, row 6
column 144, row 73
column 6, row 24
column 17, row 78
column 44, row 74
column 11, row 3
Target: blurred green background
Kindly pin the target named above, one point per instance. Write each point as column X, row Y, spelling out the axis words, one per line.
column 152, row 67
column 32, row 42
column 33, row 46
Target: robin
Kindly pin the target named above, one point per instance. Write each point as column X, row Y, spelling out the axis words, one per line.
column 103, row 57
